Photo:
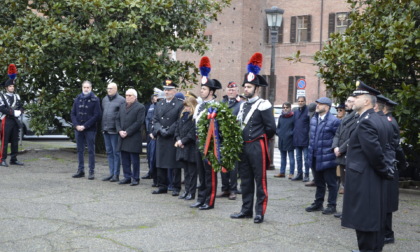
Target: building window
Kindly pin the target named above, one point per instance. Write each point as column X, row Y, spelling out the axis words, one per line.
column 291, row 92
column 338, row 22
column 300, row 29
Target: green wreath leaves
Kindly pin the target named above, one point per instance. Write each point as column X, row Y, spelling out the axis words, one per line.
column 230, row 136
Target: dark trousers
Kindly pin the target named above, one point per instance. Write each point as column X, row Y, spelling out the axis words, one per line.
column 370, row 241
column 323, row 179
column 128, row 159
column 388, row 233
column 208, row 181
column 10, row 135
column 342, row 174
column 190, row 177
column 162, row 176
column 151, row 157
column 83, row 138
column 252, row 169
column 230, row 180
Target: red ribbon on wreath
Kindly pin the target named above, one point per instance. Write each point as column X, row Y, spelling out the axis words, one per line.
column 213, row 133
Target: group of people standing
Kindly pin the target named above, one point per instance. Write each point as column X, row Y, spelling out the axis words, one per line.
column 361, row 147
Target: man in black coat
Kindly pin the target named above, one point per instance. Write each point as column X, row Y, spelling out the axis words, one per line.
column 230, row 178
column 258, row 125
column 364, row 204
column 166, row 114
column 130, row 118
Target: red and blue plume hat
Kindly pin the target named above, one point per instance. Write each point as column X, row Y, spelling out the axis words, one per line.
column 205, row 69
column 12, row 72
column 254, row 68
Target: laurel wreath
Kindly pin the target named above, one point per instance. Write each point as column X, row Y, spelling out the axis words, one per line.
column 230, row 137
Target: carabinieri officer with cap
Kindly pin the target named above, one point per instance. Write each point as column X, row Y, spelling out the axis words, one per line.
column 364, row 204
column 258, row 125
column 167, row 112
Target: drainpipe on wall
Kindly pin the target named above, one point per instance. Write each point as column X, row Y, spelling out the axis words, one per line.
column 320, row 41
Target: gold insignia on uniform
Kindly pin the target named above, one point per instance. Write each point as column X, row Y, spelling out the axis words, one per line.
column 168, row 82
column 357, row 83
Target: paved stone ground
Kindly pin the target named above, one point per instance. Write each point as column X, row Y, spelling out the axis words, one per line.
column 43, row 209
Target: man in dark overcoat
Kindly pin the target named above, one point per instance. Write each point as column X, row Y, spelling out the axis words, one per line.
column 167, row 112
column 258, row 125
column 129, row 121
column 364, row 204
column 85, row 114
column 301, row 139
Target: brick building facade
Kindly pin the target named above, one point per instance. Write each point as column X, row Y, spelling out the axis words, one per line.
column 241, row 29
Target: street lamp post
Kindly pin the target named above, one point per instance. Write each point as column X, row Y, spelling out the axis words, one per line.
column 274, row 19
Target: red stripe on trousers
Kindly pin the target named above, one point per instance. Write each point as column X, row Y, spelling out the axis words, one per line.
column 3, row 125
column 264, row 174
column 213, row 187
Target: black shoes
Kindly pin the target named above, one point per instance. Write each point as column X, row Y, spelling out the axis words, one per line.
column 389, row 240
column 329, row 210
column 299, row 176
column 160, row 191
column 79, row 174
column 197, row 205
column 258, row 219
column 223, row 194
column 115, row 178
column 205, row 207
column 314, row 207
column 146, row 177
column 91, row 176
column 107, row 178
column 15, row 163
column 240, row 215
column 182, row 196
column 134, row 182
column 190, row 197
column 175, row 193
column 154, row 185
column 125, row 181
column 4, row 163
column 338, row 215
column 305, row 179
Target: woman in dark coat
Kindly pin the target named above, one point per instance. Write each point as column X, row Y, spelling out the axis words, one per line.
column 129, row 121
column 185, row 143
column 284, row 131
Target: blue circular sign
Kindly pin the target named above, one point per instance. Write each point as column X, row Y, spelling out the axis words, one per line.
column 301, row 84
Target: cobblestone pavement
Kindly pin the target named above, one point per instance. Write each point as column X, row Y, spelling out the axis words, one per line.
column 42, row 208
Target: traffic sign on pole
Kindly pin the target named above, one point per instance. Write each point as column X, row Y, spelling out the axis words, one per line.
column 301, row 84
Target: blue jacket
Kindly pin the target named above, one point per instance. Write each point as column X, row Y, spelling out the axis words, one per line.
column 301, row 129
column 285, row 133
column 321, row 139
column 86, row 111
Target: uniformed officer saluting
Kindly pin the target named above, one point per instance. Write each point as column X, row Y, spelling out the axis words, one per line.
column 167, row 112
column 258, row 125
column 11, row 109
column 364, row 205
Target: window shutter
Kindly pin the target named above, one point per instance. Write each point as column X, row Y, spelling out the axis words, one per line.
column 290, row 92
column 293, row 30
column 280, row 37
column 331, row 24
column 309, row 28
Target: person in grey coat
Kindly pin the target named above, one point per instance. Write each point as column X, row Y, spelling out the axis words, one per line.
column 129, row 121
column 110, row 106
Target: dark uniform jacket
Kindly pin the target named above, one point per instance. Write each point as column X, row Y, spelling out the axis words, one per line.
column 86, row 111
column 284, row 131
column 8, row 105
column 342, row 136
column 321, row 139
column 233, row 104
column 261, row 122
column 130, row 120
column 364, row 200
column 301, row 129
column 185, row 131
column 164, row 123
